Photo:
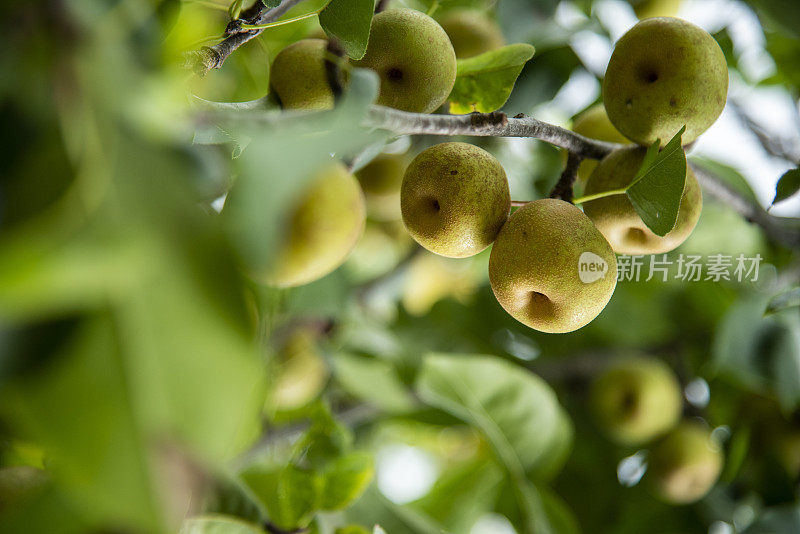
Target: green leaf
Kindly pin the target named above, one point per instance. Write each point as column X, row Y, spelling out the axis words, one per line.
column 516, row 410
column 348, row 21
column 484, row 82
column 374, row 381
column 289, row 494
column 657, row 189
column 345, row 479
column 782, row 301
column 271, row 3
column 218, row 524
column 788, row 185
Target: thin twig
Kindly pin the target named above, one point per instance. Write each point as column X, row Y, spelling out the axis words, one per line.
column 786, row 149
column 212, row 57
column 563, row 188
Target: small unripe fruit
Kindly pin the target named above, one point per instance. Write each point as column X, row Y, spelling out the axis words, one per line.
column 645, row 9
column 663, row 74
column 454, row 199
column 636, row 400
column 550, row 268
column 300, row 372
column 381, row 179
column 472, row 32
column 685, row 464
column 323, row 229
column 298, row 76
column 413, row 58
column 594, row 123
column 616, row 217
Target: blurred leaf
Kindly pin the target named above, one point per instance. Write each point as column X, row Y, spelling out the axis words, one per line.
column 729, row 175
column 782, row 301
column 214, row 524
column 782, row 520
column 345, row 479
column 656, row 190
column 484, row 82
column 348, row 21
column 271, row 3
column 787, row 185
column 561, row 517
column 289, row 494
column 374, row 381
column 231, row 498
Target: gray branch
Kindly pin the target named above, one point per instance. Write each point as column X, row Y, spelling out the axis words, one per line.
column 212, row 57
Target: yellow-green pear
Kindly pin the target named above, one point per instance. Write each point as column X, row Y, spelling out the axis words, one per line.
column 413, row 58
column 380, row 180
column 298, row 76
column 323, row 228
column 645, row 9
column 594, row 123
column 454, row 199
column 788, row 451
column 636, row 399
column 471, row 31
column 685, row 464
column 550, row 268
column 665, row 73
column 300, row 371
column 616, row 217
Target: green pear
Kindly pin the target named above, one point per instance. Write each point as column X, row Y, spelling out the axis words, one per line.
column 646, row 9
column 380, row 180
column 471, row 31
column 413, row 58
column 594, row 123
column 550, row 268
column 685, row 464
column 636, row 399
column 454, row 199
column 298, row 76
column 788, row 451
column 616, row 217
column 20, row 483
column 323, row 229
column 665, row 73
column 300, row 371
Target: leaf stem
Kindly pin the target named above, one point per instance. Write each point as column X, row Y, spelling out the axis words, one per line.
column 595, row 196
column 280, row 22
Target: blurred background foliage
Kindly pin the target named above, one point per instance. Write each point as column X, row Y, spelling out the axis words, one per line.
column 147, row 385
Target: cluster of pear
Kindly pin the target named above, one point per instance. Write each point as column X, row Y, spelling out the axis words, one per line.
column 637, row 400
column 410, row 52
column 664, row 73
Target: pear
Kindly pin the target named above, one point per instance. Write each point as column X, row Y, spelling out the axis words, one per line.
column 380, row 180
column 323, row 229
column 656, row 8
column 550, row 268
column 300, row 371
column 298, row 76
column 471, row 31
column 685, row 464
column 594, row 123
column 413, row 58
column 616, row 217
column 636, row 399
column 454, row 199
column 665, row 73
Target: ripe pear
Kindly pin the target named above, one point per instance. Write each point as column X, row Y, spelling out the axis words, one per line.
column 454, row 199
column 323, row 228
column 300, row 371
column 665, row 73
column 685, row 464
column 380, row 180
column 413, row 58
column 298, row 76
column 594, row 123
column 550, row 268
column 471, row 31
column 636, row 399
column 645, row 9
column 616, row 217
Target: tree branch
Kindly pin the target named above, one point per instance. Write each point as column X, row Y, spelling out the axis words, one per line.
column 212, row 57
column 563, row 188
